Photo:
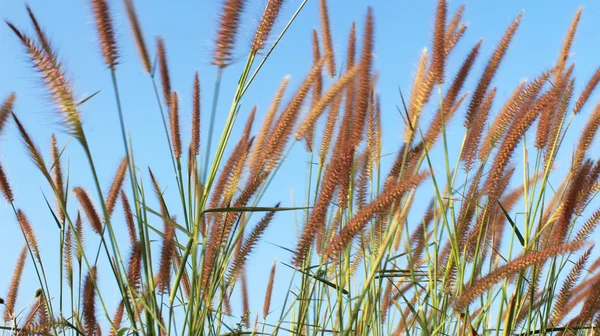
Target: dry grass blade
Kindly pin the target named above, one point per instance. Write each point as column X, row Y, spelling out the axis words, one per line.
column 11, row 298
column 106, row 33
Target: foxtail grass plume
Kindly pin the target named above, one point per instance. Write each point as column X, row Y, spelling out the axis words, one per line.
column 327, row 40
column 89, row 302
column 6, row 110
column 41, row 35
column 163, row 67
column 11, row 298
column 528, row 259
column 587, row 136
column 439, row 50
column 229, row 24
column 113, row 193
column 566, row 47
column 166, row 259
column 117, row 319
column 58, row 177
column 138, row 36
column 490, row 71
column 106, row 33
column 195, row 141
column 68, row 256
column 175, row 130
column 89, row 209
column 5, row 188
column 585, row 95
column 269, row 293
column 29, row 235
column 55, row 79
column 129, row 218
column 363, row 93
column 266, row 24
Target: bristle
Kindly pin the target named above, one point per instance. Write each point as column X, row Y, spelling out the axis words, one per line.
column 269, row 293
column 325, row 100
column 490, row 71
column 587, row 92
column 11, row 298
column 55, row 79
column 327, row 40
column 29, row 234
column 106, row 34
column 514, row 266
column 5, row 188
column 258, row 151
column 163, row 67
column 175, row 130
column 136, row 28
column 379, row 205
column 58, row 178
column 566, row 48
column 229, row 23
column 195, row 141
column 266, row 24
column 113, row 193
column 246, row 248
column 89, row 302
column 6, row 110
column 89, row 209
column 439, row 52
column 129, row 218
column 117, row 319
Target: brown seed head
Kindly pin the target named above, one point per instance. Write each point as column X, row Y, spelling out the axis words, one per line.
column 566, row 48
column 113, row 193
column 268, row 295
column 585, row 95
column 439, row 52
column 11, row 298
column 5, row 188
column 89, row 302
column 327, row 40
column 227, row 31
column 6, row 110
column 163, row 66
column 175, row 131
column 104, row 25
column 266, row 24
column 89, row 209
column 195, row 142
column 136, row 29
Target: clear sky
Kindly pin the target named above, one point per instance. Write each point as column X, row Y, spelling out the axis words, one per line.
column 403, row 29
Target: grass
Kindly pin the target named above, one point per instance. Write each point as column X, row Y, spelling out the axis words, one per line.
column 362, row 264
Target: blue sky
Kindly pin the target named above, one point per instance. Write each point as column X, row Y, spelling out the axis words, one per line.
column 403, row 29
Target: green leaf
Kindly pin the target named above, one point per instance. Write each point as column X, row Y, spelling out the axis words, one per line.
column 512, row 223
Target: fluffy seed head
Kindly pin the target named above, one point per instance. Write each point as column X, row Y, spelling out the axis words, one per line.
column 134, row 23
column 113, row 194
column 175, row 131
column 11, row 298
column 5, row 188
column 195, row 141
column 6, row 109
column 163, row 66
column 89, row 209
column 229, row 24
column 327, row 40
column 266, row 24
column 439, row 52
column 104, row 25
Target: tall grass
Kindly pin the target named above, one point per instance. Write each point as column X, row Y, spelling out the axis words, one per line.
column 361, row 263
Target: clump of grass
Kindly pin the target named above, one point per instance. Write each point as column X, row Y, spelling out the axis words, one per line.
column 366, row 259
